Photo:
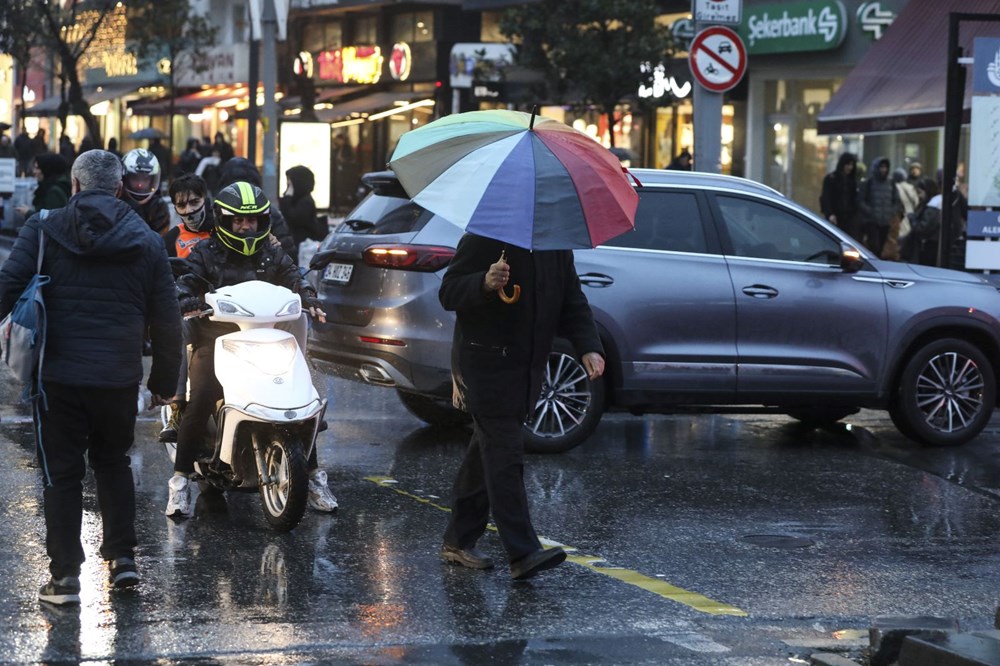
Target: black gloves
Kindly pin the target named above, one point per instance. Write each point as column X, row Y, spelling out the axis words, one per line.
column 192, row 304
column 310, row 300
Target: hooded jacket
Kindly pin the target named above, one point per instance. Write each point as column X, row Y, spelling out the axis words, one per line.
column 299, row 208
column 109, row 280
column 879, row 200
column 839, row 196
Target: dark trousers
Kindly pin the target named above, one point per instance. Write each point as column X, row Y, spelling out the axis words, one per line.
column 491, row 480
column 875, row 237
column 81, row 424
column 206, row 391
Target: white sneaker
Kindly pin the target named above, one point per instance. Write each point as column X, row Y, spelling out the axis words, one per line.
column 320, row 497
column 179, row 502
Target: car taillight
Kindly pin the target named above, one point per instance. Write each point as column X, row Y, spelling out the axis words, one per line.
column 425, row 258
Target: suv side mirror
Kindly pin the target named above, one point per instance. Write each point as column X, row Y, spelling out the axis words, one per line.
column 851, row 260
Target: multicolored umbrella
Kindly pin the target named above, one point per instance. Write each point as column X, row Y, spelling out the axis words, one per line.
column 523, row 179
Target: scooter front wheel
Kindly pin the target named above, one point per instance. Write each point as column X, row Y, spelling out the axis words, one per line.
column 284, row 497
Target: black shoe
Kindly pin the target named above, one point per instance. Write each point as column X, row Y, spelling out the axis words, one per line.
column 62, row 592
column 467, row 557
column 540, row 560
column 123, row 572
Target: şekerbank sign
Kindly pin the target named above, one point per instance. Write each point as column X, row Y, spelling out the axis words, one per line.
column 816, row 25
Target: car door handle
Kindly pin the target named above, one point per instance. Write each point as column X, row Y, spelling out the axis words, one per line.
column 596, row 280
column 760, row 291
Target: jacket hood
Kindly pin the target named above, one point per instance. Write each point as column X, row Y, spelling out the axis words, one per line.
column 97, row 224
column 239, row 169
column 302, row 179
column 873, row 171
column 846, row 158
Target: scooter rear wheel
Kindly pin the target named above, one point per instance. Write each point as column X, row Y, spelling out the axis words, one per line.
column 284, row 499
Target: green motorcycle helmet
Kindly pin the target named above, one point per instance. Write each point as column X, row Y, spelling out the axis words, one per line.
column 241, row 200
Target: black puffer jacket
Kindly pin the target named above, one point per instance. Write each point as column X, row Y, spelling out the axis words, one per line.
column 213, row 265
column 110, row 278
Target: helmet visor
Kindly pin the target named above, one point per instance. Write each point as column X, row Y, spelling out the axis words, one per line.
column 141, row 184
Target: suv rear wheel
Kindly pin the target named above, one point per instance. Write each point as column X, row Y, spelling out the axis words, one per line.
column 569, row 408
column 946, row 393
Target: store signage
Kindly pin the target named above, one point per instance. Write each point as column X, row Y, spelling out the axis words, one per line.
column 487, row 90
column 351, row 64
column 718, row 59
column 819, row 25
column 214, row 66
column 874, row 19
column 682, row 31
column 984, row 129
column 482, row 59
column 662, row 84
column 400, row 61
column 986, row 66
column 983, row 224
column 717, row 11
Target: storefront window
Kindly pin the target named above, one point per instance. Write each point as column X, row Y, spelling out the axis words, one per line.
column 413, row 27
column 318, row 37
column 790, row 138
column 627, row 128
column 366, row 30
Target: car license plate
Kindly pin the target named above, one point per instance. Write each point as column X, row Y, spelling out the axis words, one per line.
column 338, row 273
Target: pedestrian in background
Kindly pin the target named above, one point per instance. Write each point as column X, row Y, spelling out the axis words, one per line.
column 298, row 206
column 25, row 150
column 51, row 170
column 921, row 245
column 499, row 354
column 66, row 148
column 879, row 203
column 163, row 156
column 838, row 200
column 109, row 280
column 682, row 162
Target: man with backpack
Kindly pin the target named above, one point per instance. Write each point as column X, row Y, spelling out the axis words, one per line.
column 109, row 279
column 879, row 203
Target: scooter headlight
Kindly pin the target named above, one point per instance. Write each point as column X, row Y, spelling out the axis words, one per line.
column 271, row 358
column 292, row 308
column 230, row 308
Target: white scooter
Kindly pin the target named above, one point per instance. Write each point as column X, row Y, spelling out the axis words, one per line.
column 267, row 423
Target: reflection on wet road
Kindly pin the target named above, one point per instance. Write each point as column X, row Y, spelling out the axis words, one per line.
column 699, row 540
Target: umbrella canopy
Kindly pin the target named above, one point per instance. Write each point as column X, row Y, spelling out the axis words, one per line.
column 147, row 133
column 523, row 179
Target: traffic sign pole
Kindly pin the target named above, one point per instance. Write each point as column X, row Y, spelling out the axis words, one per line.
column 718, row 61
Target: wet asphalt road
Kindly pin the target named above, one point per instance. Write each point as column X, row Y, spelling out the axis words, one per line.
column 698, row 540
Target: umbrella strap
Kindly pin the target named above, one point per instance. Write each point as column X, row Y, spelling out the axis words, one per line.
column 631, row 175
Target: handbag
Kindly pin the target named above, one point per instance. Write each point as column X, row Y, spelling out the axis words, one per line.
column 22, row 331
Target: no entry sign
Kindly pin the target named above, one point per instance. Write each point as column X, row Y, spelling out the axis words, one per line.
column 717, row 58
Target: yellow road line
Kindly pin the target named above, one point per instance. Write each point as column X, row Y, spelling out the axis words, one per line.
column 655, row 585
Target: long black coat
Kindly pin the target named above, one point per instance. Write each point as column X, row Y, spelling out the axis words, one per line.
column 500, row 350
column 110, row 280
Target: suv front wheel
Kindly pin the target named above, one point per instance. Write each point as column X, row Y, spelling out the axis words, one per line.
column 569, row 407
column 946, row 393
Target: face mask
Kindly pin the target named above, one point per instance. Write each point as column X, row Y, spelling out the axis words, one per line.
column 194, row 219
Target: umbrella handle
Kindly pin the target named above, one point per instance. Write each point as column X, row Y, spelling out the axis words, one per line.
column 510, row 300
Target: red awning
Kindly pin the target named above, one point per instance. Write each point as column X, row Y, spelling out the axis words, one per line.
column 225, row 96
column 900, row 82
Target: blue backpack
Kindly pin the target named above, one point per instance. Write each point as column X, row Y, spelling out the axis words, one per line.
column 22, row 331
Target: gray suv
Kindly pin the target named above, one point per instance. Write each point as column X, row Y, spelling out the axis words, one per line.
column 726, row 297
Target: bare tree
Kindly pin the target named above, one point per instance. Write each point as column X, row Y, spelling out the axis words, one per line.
column 19, row 20
column 595, row 47
column 169, row 30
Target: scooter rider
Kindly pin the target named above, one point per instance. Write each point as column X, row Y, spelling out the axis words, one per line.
column 238, row 251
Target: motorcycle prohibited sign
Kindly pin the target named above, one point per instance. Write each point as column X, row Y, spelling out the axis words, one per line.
column 717, row 58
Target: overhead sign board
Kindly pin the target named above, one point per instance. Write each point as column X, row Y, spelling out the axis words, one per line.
column 717, row 11
column 813, row 25
column 717, row 58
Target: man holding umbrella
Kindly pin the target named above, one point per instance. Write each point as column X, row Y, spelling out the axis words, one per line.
column 499, row 356
column 526, row 190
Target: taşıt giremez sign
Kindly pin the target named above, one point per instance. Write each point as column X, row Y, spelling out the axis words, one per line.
column 817, row 25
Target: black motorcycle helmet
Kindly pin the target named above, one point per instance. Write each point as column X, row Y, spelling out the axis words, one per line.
column 242, row 199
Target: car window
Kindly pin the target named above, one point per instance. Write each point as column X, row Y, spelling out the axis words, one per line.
column 764, row 231
column 665, row 221
column 387, row 215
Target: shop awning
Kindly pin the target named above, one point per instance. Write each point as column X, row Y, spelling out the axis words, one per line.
column 50, row 105
column 222, row 97
column 900, row 83
column 373, row 103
